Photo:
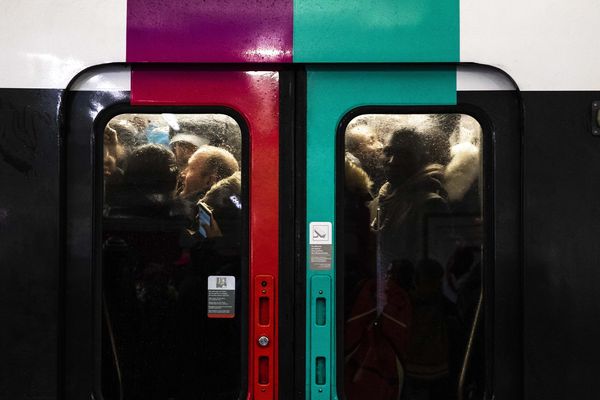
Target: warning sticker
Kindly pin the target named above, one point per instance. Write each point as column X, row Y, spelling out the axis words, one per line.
column 321, row 247
column 221, row 296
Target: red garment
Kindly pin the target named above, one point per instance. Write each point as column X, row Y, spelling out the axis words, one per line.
column 375, row 346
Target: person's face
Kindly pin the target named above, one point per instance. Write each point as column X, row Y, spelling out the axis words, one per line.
column 400, row 163
column 369, row 147
column 370, row 143
column 195, row 177
column 183, row 151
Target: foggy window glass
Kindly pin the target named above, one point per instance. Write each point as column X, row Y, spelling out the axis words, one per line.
column 412, row 252
column 172, row 257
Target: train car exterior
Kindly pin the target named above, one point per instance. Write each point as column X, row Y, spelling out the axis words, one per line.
column 292, row 79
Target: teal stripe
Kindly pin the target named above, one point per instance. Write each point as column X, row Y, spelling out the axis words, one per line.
column 376, row 31
column 332, row 92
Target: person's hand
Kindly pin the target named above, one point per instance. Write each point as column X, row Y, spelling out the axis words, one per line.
column 212, row 230
column 112, row 146
column 111, row 141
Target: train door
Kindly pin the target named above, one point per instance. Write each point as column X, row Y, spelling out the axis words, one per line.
column 412, row 233
column 172, row 203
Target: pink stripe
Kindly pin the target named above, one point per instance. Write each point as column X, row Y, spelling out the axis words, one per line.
column 211, row 31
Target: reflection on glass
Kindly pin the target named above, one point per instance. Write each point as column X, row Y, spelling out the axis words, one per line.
column 171, row 257
column 412, row 256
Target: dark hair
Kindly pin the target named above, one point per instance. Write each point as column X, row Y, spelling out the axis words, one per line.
column 152, row 169
column 430, row 146
column 129, row 135
column 408, row 139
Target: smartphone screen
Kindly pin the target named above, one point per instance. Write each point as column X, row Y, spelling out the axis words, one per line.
column 204, row 219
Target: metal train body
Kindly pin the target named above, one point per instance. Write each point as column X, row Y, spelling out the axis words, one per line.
column 293, row 72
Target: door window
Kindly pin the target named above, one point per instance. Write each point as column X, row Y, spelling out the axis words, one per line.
column 412, row 228
column 172, row 251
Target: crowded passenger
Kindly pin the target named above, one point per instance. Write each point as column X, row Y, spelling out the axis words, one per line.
column 205, row 167
column 139, row 295
column 216, row 252
column 358, row 239
column 115, row 156
column 412, row 192
column 404, row 338
column 362, row 142
column 185, row 141
column 225, row 202
column 148, row 182
column 154, row 296
column 223, row 132
column 173, row 208
column 114, row 152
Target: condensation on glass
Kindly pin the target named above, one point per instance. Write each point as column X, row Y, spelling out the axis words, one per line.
column 412, row 252
column 171, row 257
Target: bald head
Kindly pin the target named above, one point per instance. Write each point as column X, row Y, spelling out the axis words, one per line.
column 362, row 138
column 363, row 143
column 205, row 167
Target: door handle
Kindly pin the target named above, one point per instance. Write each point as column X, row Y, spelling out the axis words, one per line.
column 264, row 335
column 321, row 334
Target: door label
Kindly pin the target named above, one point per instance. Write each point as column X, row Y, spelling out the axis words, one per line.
column 321, row 248
column 221, row 296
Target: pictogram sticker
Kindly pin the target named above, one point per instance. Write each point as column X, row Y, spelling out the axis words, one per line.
column 221, row 296
column 321, row 248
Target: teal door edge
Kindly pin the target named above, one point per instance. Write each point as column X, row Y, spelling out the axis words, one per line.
column 333, row 91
